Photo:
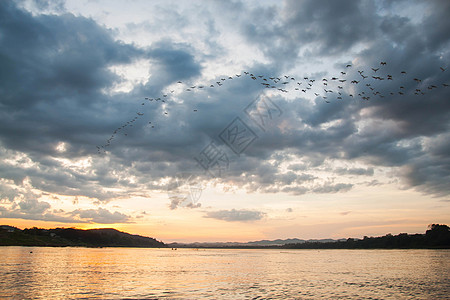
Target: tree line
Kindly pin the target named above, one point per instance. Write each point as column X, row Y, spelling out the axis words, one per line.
column 437, row 236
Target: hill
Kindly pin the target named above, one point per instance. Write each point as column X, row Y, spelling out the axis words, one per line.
column 108, row 237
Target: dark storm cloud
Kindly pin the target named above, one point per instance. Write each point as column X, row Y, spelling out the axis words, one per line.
column 335, row 26
column 55, row 69
column 235, row 215
column 395, row 128
column 174, row 63
column 418, row 46
column 431, row 173
column 436, row 26
column 329, row 27
column 414, row 119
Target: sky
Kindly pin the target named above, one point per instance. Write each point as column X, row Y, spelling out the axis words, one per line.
column 225, row 120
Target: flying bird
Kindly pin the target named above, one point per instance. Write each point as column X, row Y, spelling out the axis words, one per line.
column 277, row 82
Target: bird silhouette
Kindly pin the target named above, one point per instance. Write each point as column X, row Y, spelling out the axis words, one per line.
column 331, row 84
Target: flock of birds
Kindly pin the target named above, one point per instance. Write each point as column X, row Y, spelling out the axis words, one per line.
column 362, row 84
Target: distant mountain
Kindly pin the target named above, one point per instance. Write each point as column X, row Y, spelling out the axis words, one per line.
column 262, row 243
column 437, row 236
column 108, row 237
column 280, row 242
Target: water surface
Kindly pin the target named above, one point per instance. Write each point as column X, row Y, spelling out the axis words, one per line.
column 117, row 273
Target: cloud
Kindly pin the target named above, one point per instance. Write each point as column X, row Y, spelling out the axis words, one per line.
column 355, row 171
column 333, row 188
column 325, row 27
column 174, row 62
column 101, row 215
column 58, row 99
column 31, row 209
column 236, row 215
column 182, row 201
column 33, row 206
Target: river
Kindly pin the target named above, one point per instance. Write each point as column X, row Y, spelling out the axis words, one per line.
column 118, row 273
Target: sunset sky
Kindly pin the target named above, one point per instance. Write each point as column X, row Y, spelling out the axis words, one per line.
column 225, row 120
